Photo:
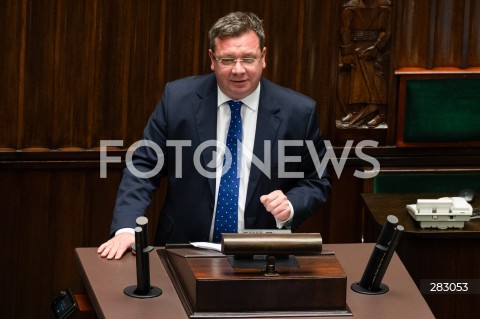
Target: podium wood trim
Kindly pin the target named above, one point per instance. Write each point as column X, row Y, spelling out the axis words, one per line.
column 209, row 287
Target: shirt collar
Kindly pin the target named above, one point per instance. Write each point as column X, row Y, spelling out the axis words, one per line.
column 251, row 101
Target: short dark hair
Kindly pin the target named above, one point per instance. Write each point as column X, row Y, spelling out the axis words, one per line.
column 235, row 24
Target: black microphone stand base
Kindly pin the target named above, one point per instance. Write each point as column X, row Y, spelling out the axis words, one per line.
column 381, row 289
column 132, row 292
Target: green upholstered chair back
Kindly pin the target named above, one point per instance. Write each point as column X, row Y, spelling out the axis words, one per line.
column 442, row 110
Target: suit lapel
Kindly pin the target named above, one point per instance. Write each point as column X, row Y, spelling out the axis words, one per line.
column 268, row 123
column 205, row 115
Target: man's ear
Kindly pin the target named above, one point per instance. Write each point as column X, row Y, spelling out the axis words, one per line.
column 264, row 54
column 212, row 59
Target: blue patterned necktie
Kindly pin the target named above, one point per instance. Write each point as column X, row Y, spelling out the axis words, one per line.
column 226, row 217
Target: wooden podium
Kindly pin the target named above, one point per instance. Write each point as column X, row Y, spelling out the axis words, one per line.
column 105, row 281
column 209, row 286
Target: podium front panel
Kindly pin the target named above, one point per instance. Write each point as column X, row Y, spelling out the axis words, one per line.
column 207, row 283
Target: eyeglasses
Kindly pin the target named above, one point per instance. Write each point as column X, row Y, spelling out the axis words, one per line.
column 232, row 61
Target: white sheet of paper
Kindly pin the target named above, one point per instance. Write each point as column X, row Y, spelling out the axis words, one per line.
column 207, row 245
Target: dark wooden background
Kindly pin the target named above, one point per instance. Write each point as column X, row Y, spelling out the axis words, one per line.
column 76, row 72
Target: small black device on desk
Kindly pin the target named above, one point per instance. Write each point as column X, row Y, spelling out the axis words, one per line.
column 64, row 304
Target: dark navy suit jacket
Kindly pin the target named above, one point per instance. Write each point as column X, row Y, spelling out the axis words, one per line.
column 188, row 112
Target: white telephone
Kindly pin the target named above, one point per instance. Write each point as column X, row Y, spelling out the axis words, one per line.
column 442, row 213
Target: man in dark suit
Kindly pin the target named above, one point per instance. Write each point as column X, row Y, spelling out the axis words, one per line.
column 278, row 185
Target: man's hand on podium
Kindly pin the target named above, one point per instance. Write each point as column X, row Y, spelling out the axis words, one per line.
column 116, row 246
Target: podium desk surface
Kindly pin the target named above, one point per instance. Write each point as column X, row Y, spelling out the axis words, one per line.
column 105, row 281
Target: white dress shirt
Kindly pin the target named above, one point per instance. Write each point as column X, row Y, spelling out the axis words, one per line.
column 249, row 113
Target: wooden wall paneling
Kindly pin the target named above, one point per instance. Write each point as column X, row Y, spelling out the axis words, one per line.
column 37, row 117
column 320, row 37
column 411, row 33
column 99, row 51
column 211, row 10
column 391, row 78
column 35, row 255
column 465, row 35
column 448, row 33
column 146, row 65
column 128, row 63
column 11, row 218
column 11, row 18
column 431, row 34
column 74, row 36
column 345, row 218
column 284, row 40
column 67, row 212
column 473, row 41
column 128, row 32
column 112, row 57
column 49, row 212
column 92, row 83
column 182, row 36
column 156, row 74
